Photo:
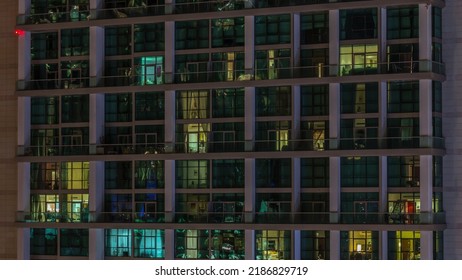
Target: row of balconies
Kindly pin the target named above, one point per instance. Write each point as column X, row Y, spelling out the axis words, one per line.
column 75, row 13
column 319, row 71
column 234, row 217
column 236, row 146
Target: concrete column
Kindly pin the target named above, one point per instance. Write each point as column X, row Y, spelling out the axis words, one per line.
column 23, row 205
column 169, row 190
column 23, row 243
column 383, row 111
column 96, row 244
column 296, row 39
column 426, row 245
column 250, row 244
column 96, row 54
column 96, row 189
column 249, row 122
column 334, row 242
column 96, row 119
column 383, row 247
column 23, row 140
column 169, row 244
column 296, row 244
column 169, row 52
column 170, row 121
column 296, row 101
column 249, row 207
column 425, row 36
column 382, row 28
column 24, row 60
column 334, row 42
column 334, row 189
column 334, row 116
column 425, row 113
column 249, row 47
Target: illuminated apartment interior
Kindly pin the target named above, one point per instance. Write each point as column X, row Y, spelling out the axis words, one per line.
column 231, row 129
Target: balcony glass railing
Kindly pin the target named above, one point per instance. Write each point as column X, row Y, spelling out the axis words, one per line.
column 81, row 13
column 236, row 146
column 319, row 71
column 234, row 217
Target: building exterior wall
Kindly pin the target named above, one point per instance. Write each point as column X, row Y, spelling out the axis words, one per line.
column 130, row 146
column 452, row 129
column 8, row 133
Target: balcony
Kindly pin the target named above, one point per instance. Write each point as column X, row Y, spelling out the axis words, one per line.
column 57, row 14
column 237, row 218
column 236, row 146
column 319, row 71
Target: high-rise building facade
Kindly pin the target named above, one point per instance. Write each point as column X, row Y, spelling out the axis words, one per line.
column 235, row 129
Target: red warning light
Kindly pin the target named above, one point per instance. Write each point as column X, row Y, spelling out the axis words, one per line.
column 19, row 32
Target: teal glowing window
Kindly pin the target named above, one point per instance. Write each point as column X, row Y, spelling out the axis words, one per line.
column 149, row 70
column 118, row 243
column 149, row 243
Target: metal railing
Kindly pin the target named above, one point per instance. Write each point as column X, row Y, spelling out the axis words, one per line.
column 82, row 12
column 235, row 146
column 234, row 217
column 318, row 71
